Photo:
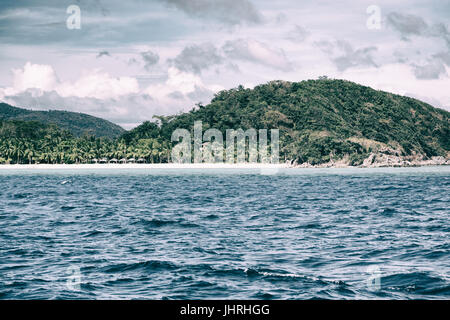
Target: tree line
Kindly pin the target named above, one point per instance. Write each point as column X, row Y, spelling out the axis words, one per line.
column 318, row 120
column 28, row 142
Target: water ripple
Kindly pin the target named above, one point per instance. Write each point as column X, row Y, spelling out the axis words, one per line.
column 312, row 235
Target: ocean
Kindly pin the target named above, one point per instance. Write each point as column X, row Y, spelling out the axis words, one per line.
column 225, row 234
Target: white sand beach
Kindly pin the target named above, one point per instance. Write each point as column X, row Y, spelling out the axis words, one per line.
column 226, row 168
column 144, row 166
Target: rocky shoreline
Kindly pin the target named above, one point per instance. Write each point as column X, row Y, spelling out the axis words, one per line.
column 380, row 159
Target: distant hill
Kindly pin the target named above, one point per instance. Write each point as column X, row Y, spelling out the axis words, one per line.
column 323, row 120
column 76, row 123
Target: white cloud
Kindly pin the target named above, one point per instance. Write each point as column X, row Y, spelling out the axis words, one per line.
column 118, row 99
column 178, row 81
column 92, row 84
column 34, row 76
column 96, row 84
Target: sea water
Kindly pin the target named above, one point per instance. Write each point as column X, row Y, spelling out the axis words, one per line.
column 225, row 234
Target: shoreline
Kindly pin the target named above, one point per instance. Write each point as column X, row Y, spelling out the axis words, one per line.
column 196, row 166
column 146, row 166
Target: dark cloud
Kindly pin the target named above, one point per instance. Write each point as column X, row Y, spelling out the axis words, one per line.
column 132, row 61
column 326, row 46
column 177, row 95
column 353, row 58
column 412, row 25
column 298, row 34
column 440, row 30
column 94, row 4
column 281, row 18
column 257, row 52
column 150, row 59
column 407, row 25
column 400, row 57
column 103, row 53
column 103, row 24
column 344, row 56
column 196, row 58
column 432, row 70
column 225, row 11
column 201, row 95
column 444, row 57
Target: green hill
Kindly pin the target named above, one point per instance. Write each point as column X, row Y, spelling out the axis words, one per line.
column 321, row 120
column 328, row 122
column 77, row 123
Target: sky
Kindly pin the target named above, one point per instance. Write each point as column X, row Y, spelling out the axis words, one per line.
column 126, row 61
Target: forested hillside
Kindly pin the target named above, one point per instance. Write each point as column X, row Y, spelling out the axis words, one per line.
column 320, row 121
column 77, row 123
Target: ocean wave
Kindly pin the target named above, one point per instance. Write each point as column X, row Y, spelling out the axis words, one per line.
column 248, row 236
column 417, row 282
column 151, row 265
column 160, row 223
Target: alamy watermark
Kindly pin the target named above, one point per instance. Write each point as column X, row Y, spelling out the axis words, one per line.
column 374, row 280
column 74, row 20
column 73, row 282
column 250, row 146
column 374, row 20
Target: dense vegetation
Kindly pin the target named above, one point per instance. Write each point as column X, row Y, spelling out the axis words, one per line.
column 77, row 123
column 34, row 142
column 319, row 120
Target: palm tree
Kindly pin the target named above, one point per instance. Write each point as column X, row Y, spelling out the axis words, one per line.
column 29, row 153
column 19, row 150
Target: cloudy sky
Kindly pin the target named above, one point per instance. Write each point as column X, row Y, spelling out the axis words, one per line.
column 130, row 60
